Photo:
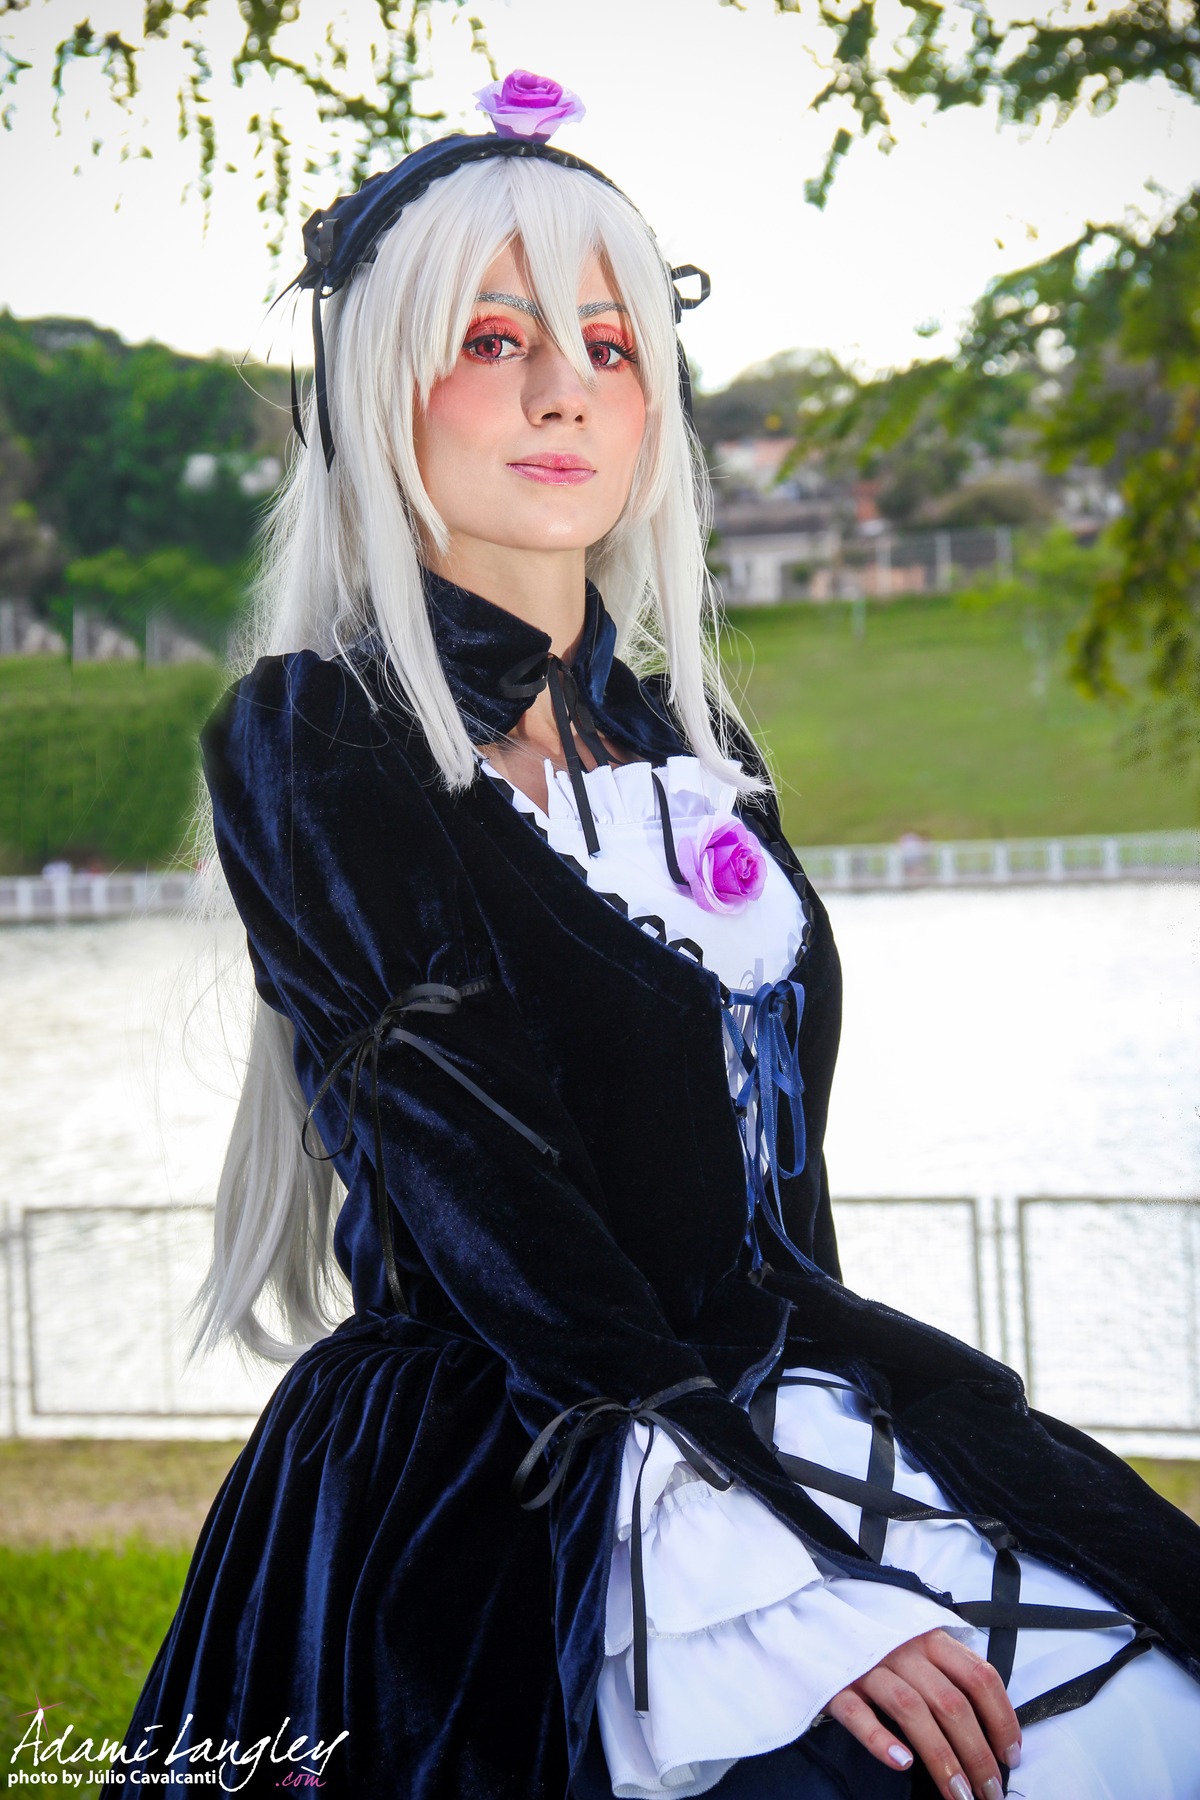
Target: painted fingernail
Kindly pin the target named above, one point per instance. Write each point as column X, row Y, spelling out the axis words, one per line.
column 900, row 1756
column 992, row 1789
column 960, row 1787
column 1012, row 1756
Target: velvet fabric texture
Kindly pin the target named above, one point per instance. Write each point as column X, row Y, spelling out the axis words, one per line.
column 365, row 1568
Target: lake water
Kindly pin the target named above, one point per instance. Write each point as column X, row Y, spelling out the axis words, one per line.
column 1018, row 1040
column 996, row 1044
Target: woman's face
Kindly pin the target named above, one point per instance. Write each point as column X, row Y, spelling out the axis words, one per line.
column 513, row 448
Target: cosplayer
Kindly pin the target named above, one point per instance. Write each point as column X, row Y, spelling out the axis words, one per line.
column 607, row 1486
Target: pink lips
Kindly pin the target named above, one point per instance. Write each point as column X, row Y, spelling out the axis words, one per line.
column 558, row 471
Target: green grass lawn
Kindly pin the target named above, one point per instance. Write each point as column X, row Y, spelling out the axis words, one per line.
column 81, row 1627
column 95, row 1539
column 84, row 1620
column 928, row 723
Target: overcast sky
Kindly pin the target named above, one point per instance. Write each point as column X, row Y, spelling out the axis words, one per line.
column 699, row 111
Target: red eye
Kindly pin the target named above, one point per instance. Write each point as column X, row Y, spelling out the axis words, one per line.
column 486, row 340
column 609, row 347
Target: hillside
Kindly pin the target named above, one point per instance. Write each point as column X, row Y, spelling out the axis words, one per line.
column 928, row 723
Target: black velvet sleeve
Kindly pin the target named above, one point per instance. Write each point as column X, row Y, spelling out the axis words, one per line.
column 351, row 893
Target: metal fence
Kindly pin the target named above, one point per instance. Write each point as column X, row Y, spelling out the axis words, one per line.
column 1095, row 1301
column 779, row 550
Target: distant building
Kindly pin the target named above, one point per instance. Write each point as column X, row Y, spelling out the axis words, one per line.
column 765, row 549
column 166, row 643
column 256, row 475
column 22, row 633
column 809, row 538
column 93, row 639
column 749, row 465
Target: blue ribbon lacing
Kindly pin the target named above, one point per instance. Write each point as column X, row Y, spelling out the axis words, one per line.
column 768, row 1051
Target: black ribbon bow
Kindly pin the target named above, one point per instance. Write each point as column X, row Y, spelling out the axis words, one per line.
column 424, row 996
column 595, row 1416
column 570, row 708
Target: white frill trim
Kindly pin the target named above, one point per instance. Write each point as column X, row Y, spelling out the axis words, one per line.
column 624, row 793
column 745, row 948
column 747, row 1641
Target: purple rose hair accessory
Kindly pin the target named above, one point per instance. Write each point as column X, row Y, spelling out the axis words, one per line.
column 529, row 106
column 723, row 865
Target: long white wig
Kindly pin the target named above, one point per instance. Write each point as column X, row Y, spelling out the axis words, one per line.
column 342, row 550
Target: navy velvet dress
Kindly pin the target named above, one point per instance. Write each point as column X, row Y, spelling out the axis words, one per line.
column 529, row 1095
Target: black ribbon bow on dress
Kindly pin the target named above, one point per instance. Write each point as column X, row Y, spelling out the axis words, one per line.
column 595, row 1416
column 571, row 712
column 364, row 1045
column 496, row 663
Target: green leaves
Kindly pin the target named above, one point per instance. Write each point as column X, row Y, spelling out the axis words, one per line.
column 1091, row 356
column 963, row 55
column 128, row 590
column 110, row 428
column 361, row 75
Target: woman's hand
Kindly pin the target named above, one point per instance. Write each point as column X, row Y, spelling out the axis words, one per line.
column 950, row 1705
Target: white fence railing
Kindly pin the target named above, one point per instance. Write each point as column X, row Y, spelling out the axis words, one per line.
column 1095, row 1301
column 994, row 862
column 34, row 899
column 986, row 862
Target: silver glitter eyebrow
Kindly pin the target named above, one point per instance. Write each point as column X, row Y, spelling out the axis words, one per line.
column 514, row 300
column 521, row 305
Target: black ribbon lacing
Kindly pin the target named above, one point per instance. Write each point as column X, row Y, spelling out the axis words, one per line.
column 594, row 1417
column 425, row 996
column 769, row 1053
column 1004, row 1613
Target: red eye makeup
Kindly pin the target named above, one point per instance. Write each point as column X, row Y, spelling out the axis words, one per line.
column 609, row 346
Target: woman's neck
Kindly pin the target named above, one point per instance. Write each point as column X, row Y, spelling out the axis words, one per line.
column 545, row 588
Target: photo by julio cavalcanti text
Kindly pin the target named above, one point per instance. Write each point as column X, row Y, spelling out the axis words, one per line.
column 225, row 1764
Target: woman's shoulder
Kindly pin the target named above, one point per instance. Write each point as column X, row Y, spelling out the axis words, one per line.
column 323, row 821
column 302, row 717
column 301, row 687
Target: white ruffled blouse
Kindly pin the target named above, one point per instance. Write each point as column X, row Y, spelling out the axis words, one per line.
column 747, row 1639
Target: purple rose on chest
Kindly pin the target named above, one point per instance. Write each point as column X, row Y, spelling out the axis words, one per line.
column 723, row 864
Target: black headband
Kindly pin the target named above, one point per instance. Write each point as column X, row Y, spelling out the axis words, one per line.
column 344, row 237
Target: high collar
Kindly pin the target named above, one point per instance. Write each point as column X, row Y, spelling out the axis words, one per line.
column 482, row 645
